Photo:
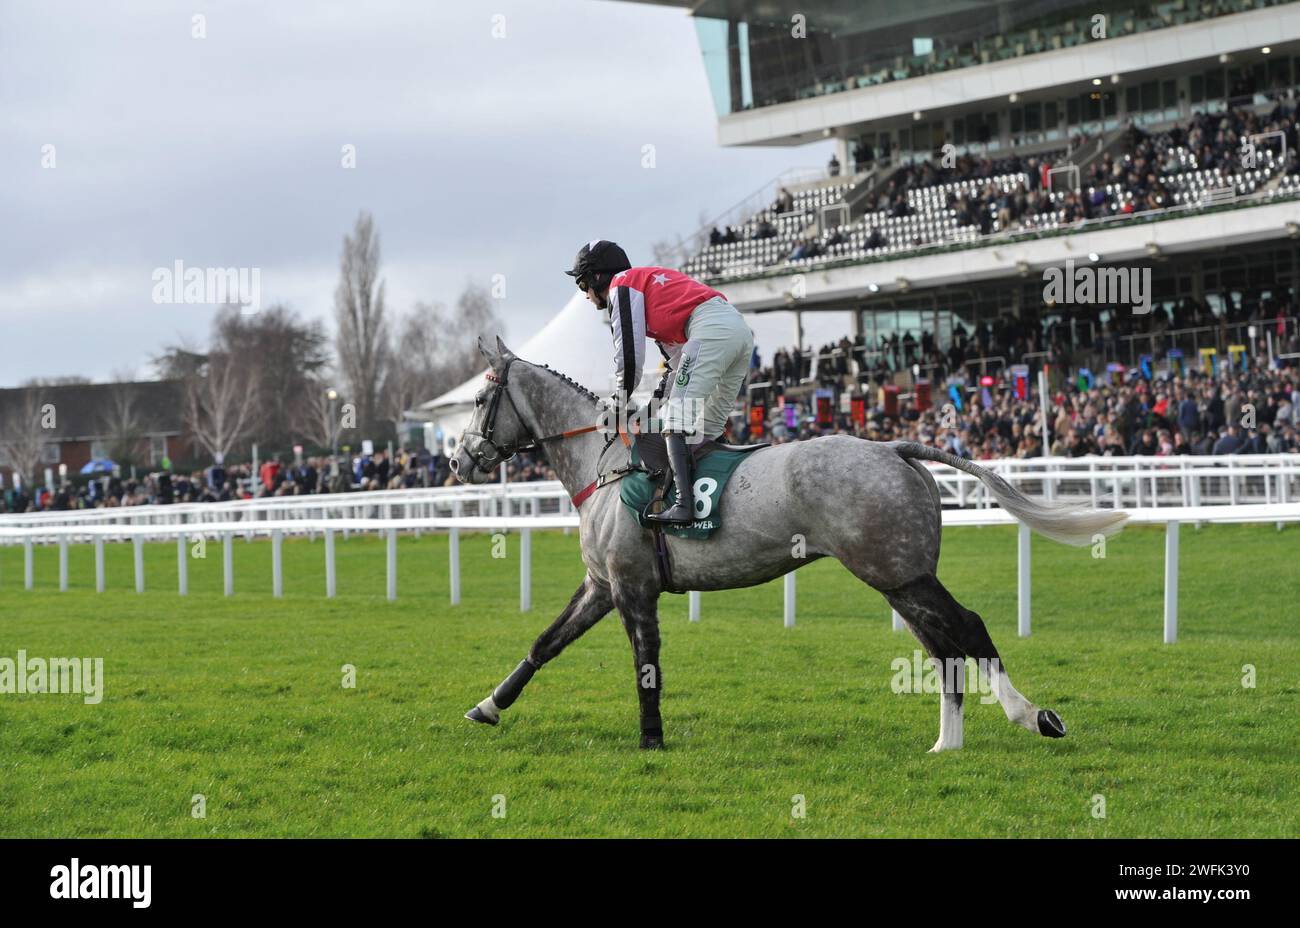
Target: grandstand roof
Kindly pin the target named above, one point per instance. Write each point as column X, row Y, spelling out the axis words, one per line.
column 837, row 16
column 86, row 411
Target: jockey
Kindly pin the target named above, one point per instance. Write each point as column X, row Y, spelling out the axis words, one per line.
column 703, row 337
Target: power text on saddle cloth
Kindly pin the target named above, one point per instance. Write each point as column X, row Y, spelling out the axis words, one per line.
column 711, row 476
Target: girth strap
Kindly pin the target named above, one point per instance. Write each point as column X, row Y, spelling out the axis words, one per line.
column 662, row 563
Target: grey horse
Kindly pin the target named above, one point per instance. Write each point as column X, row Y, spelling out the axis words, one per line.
column 871, row 505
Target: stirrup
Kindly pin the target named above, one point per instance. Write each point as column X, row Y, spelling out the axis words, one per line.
column 679, row 513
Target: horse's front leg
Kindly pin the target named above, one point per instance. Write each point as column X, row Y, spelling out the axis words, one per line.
column 589, row 605
column 639, row 610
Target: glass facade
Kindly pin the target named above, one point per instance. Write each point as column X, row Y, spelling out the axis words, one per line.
column 755, row 63
column 1228, row 281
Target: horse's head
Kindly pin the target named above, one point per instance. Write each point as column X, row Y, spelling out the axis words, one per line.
column 495, row 431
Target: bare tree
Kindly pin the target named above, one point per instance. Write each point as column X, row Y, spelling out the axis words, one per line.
column 415, row 364
column 664, row 253
column 434, row 350
column 476, row 317
column 283, row 353
column 23, row 434
column 700, row 237
column 317, row 418
column 675, row 253
column 276, row 354
column 221, row 404
column 361, row 341
column 121, row 419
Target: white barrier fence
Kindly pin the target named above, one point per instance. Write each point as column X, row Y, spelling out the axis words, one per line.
column 62, row 535
column 1127, row 482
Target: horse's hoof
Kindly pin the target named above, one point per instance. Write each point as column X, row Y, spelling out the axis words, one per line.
column 478, row 715
column 1050, row 724
column 652, row 742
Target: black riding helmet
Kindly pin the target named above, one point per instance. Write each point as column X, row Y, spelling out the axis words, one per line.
column 598, row 257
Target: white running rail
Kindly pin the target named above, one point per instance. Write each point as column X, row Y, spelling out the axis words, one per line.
column 1122, row 482
column 185, row 535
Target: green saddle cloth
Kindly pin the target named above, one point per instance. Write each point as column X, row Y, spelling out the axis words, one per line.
column 711, row 476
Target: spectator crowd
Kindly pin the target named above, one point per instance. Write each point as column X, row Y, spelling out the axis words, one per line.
column 1236, row 412
column 405, row 469
column 1145, row 171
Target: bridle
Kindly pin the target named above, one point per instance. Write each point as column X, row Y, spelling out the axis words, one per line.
column 502, row 453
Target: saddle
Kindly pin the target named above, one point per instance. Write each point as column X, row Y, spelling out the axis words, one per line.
column 654, row 453
column 650, row 482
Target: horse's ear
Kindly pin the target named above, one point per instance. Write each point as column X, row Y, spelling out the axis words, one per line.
column 503, row 350
column 491, row 356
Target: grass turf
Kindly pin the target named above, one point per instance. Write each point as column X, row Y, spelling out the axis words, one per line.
column 240, row 700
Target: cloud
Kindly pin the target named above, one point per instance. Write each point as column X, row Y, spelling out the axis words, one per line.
column 476, row 155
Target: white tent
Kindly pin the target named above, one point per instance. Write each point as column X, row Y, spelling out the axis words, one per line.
column 577, row 342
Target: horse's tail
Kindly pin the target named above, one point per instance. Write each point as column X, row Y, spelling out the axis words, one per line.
column 1070, row 523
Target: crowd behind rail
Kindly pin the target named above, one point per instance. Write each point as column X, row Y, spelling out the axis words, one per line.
column 404, row 469
column 1233, row 411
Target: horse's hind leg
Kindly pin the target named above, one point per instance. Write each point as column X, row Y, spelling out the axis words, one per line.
column 589, row 605
column 952, row 676
column 943, row 625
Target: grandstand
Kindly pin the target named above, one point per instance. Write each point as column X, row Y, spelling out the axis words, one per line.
column 979, row 145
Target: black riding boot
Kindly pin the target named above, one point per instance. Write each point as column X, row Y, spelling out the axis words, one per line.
column 681, row 512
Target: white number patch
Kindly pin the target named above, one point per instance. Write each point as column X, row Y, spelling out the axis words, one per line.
column 703, row 489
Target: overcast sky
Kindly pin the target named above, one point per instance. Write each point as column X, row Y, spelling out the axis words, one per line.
column 476, row 155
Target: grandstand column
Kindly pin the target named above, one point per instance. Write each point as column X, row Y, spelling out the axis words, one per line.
column 1042, row 407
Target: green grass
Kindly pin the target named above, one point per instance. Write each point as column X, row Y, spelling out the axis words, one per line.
column 240, row 700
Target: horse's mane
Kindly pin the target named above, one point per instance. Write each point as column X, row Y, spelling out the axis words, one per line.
column 570, row 381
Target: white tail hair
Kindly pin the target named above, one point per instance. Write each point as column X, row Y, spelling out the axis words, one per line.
column 1069, row 523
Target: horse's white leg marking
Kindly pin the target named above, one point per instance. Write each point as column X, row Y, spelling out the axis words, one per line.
column 1018, row 709
column 489, row 708
column 950, row 724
